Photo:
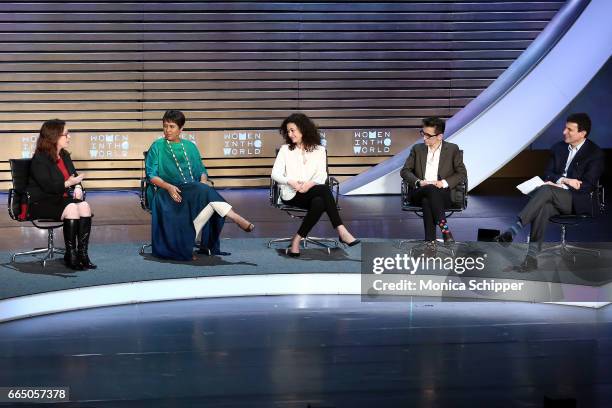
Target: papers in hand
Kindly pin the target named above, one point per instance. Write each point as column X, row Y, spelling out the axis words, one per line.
column 530, row 185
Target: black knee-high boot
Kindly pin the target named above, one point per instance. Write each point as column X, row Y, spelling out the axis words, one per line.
column 71, row 257
column 83, row 239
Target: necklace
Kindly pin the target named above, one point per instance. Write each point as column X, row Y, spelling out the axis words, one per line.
column 177, row 163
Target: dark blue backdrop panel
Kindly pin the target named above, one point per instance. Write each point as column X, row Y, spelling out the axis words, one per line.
column 595, row 100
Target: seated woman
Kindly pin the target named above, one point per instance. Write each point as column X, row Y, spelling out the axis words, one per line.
column 52, row 175
column 184, row 204
column 301, row 170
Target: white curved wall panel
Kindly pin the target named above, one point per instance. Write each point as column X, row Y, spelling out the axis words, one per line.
column 515, row 120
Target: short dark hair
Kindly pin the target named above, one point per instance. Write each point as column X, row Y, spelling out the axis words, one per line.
column 310, row 133
column 435, row 122
column 582, row 120
column 175, row 116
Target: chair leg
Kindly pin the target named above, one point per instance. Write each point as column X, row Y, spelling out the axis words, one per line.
column 563, row 248
column 32, row 252
column 322, row 242
column 49, row 251
column 399, row 244
column 420, row 244
column 143, row 247
column 278, row 241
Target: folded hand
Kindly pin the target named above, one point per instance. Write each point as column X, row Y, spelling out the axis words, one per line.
column 550, row 183
column 296, row 185
column 174, row 193
column 74, row 180
column 573, row 183
column 306, row 186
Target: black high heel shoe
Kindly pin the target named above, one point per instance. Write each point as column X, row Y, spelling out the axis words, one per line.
column 291, row 254
column 349, row 244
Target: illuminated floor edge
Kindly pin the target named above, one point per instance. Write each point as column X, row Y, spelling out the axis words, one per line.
column 217, row 287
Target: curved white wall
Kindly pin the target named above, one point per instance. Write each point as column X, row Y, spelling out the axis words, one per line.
column 509, row 125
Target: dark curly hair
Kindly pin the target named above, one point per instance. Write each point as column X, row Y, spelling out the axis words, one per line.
column 310, row 133
column 50, row 132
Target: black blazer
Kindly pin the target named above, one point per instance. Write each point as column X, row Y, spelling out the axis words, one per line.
column 587, row 166
column 450, row 167
column 46, row 180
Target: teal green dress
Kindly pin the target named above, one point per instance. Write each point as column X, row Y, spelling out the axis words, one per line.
column 172, row 232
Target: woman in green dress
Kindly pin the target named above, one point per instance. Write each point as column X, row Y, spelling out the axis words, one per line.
column 184, row 204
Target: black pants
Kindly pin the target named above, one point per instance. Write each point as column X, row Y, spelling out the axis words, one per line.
column 545, row 202
column 433, row 200
column 317, row 200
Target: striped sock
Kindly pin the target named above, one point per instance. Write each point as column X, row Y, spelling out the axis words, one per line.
column 443, row 226
column 515, row 228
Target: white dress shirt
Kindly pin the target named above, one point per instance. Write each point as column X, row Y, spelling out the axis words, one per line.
column 431, row 167
column 573, row 151
column 299, row 165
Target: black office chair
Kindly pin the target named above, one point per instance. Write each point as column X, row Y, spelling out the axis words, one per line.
column 459, row 201
column 18, row 208
column 144, row 198
column 300, row 213
column 598, row 206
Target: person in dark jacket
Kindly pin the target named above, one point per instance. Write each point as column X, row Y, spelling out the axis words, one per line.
column 56, row 192
column 434, row 168
column 572, row 173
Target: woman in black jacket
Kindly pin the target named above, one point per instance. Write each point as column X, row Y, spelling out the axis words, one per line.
column 52, row 180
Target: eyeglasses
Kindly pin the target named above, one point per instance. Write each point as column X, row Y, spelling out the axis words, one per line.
column 65, row 134
column 427, row 135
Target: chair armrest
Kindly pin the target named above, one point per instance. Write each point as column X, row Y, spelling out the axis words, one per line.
column 599, row 201
column 144, row 185
column 11, row 203
column 462, row 188
column 405, row 192
column 334, row 185
column 143, row 194
column 274, row 193
column 15, row 200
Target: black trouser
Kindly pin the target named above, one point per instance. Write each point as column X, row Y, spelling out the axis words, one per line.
column 317, row 200
column 545, row 202
column 434, row 201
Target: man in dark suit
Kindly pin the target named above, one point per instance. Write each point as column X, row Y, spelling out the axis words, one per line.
column 574, row 168
column 434, row 168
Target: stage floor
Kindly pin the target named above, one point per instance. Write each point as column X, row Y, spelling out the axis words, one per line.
column 315, row 351
column 121, row 227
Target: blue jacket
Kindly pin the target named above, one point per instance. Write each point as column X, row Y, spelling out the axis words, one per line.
column 587, row 166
